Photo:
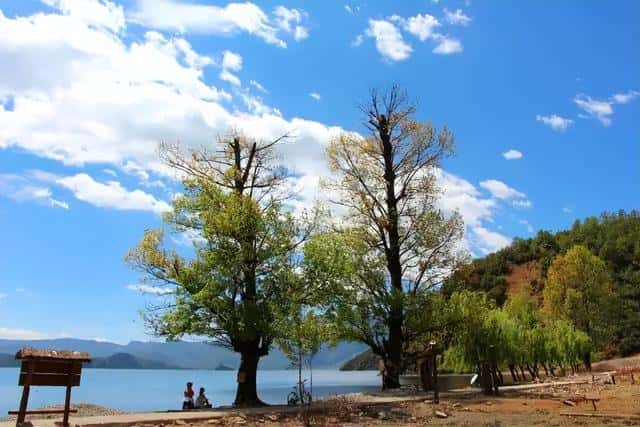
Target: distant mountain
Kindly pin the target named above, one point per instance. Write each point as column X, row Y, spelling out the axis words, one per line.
column 222, row 367
column 127, row 361
column 365, row 361
column 182, row 354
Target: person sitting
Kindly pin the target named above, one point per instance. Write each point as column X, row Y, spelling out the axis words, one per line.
column 187, row 402
column 202, row 401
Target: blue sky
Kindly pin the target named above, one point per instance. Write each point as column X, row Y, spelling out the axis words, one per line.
column 541, row 96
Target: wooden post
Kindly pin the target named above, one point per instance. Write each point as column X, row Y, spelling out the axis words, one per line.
column 67, row 399
column 436, row 394
column 25, row 395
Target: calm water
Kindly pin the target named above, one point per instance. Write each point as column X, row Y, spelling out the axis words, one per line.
column 149, row 390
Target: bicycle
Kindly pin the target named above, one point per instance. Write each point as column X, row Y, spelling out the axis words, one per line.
column 294, row 397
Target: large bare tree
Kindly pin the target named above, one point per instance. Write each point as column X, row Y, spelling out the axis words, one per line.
column 400, row 243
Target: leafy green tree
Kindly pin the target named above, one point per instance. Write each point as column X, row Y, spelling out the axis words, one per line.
column 402, row 243
column 244, row 255
column 578, row 289
column 303, row 334
column 511, row 336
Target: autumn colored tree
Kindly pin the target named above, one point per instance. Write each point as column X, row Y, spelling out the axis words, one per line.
column 578, row 289
column 400, row 244
column 243, row 264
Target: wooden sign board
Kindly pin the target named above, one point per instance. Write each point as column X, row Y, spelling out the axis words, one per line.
column 47, row 373
column 60, row 368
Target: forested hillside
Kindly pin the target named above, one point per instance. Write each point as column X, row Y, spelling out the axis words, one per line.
column 523, row 268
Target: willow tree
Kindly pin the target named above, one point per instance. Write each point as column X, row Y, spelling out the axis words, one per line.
column 401, row 243
column 244, row 253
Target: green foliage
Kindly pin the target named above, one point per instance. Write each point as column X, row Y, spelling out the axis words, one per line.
column 511, row 336
column 613, row 237
column 578, row 289
column 208, row 287
column 302, row 335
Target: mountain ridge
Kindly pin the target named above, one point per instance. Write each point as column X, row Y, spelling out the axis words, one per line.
column 179, row 354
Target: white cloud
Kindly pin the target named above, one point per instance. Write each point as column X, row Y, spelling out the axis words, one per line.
column 104, row 14
column 107, row 101
column 512, row 154
column 522, row 203
column 148, row 289
column 421, row 26
column 447, row 45
column 258, row 86
column 623, row 98
column 234, row 18
column 500, row 190
column 457, row 17
column 459, row 194
column 315, row 95
column 476, row 211
column 110, row 172
column 391, row 45
column 348, row 8
column 111, row 195
column 389, row 41
column 231, row 61
column 229, row 77
column 289, row 21
column 488, row 241
column 358, row 40
column 132, row 168
column 300, row 33
column 20, row 334
column 99, row 100
column 555, row 122
column 21, row 189
column 2, row 296
column 601, row 110
column 567, row 210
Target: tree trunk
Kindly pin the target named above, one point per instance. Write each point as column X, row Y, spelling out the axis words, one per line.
column 531, row 371
column 586, row 359
column 393, row 346
column 514, row 375
column 524, row 377
column 393, row 361
column 247, row 392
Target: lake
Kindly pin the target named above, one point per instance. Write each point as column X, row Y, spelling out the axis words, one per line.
column 154, row 390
